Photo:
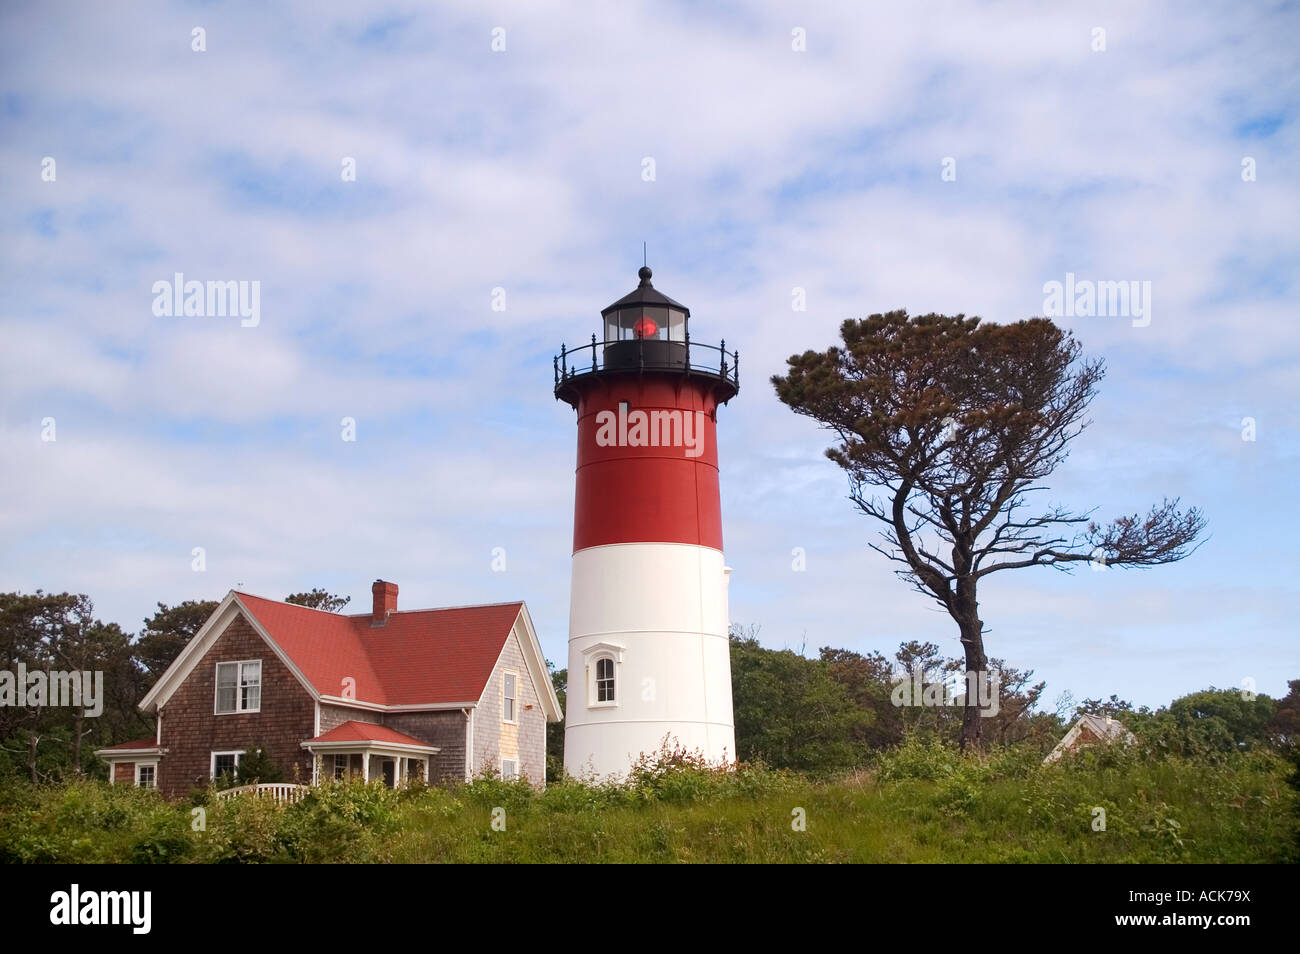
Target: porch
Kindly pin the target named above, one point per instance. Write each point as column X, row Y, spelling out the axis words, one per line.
column 361, row 750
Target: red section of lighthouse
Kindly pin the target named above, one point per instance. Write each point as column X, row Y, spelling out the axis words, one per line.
column 655, row 491
column 649, row 657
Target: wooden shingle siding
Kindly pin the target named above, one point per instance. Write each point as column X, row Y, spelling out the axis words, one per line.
column 444, row 728
column 191, row 731
column 493, row 737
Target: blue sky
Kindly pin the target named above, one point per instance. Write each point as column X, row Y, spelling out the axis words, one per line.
column 522, row 169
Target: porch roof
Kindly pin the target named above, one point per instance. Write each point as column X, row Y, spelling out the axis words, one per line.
column 125, row 751
column 366, row 735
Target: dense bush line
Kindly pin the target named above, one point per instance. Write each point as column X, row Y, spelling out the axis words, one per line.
column 922, row 801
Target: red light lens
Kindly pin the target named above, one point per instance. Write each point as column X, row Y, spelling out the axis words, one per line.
column 645, row 328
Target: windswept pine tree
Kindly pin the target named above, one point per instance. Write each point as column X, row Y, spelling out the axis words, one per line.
column 947, row 426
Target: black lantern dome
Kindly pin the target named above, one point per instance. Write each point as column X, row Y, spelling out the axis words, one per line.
column 645, row 330
column 645, row 326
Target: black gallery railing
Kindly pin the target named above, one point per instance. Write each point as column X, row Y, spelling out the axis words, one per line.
column 648, row 354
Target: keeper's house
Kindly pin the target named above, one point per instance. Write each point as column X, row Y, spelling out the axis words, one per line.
column 433, row 694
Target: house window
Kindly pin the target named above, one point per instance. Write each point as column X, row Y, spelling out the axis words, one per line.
column 510, row 701
column 340, row 766
column 239, row 686
column 509, row 769
column 225, row 763
column 605, row 679
column 146, row 774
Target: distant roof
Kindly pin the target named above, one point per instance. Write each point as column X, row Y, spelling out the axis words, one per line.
column 1104, row 728
column 418, row 657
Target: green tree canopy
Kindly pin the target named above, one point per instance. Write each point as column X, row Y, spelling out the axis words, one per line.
column 790, row 712
column 319, row 599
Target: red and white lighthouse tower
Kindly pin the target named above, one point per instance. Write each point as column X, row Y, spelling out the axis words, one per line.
column 649, row 657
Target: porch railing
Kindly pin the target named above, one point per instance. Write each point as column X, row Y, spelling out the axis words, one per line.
column 281, row 792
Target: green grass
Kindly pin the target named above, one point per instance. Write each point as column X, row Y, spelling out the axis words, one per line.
column 919, row 803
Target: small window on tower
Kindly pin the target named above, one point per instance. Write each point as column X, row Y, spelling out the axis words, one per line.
column 604, row 679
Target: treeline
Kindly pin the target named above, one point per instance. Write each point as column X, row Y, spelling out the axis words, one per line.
column 830, row 713
column 824, row 714
column 42, row 632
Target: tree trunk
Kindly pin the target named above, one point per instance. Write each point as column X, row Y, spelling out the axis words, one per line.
column 77, row 722
column 32, row 739
column 972, row 640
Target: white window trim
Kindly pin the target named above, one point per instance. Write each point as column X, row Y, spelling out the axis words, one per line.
column 504, row 673
column 603, row 650
column 504, row 760
column 152, row 765
column 239, row 696
column 212, row 762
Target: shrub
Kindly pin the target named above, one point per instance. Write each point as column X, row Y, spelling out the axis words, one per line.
column 238, row 830
column 340, row 820
column 85, row 821
column 916, row 758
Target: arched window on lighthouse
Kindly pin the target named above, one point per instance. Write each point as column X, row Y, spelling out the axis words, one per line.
column 602, row 662
column 605, row 679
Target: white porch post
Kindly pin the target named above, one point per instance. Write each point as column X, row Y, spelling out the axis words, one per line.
column 365, row 765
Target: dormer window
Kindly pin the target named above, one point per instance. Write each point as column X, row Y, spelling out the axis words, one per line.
column 239, row 686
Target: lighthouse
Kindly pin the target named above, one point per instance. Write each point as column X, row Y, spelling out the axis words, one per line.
column 649, row 657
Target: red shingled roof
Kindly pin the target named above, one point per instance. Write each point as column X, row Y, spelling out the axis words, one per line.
column 418, row 657
column 149, row 743
column 365, row 732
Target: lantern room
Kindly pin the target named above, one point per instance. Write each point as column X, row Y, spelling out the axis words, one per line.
column 645, row 328
column 645, row 331
column 645, row 313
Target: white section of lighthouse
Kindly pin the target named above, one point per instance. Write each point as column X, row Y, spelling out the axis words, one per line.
column 649, row 656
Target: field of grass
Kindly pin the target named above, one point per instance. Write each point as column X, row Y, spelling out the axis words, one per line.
column 919, row 803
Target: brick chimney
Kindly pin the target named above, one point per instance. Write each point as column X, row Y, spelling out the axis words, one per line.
column 385, row 595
